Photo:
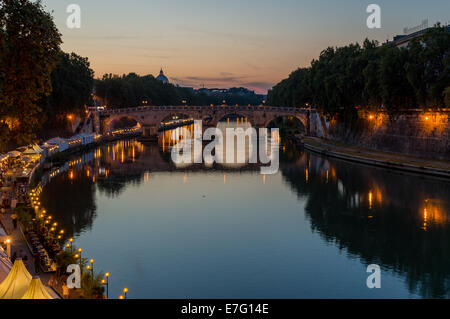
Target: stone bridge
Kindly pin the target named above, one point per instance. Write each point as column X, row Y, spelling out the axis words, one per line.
column 150, row 117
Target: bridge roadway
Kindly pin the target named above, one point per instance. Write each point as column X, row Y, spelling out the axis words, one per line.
column 150, row 117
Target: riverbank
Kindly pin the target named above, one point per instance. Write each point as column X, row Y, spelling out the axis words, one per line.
column 378, row 158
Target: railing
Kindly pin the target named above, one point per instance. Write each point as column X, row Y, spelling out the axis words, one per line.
column 200, row 108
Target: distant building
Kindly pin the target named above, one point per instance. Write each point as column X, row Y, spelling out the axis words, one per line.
column 237, row 91
column 402, row 41
column 161, row 77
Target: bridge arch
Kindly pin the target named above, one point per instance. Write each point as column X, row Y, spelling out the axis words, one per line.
column 108, row 123
column 234, row 117
column 172, row 115
column 150, row 117
column 299, row 119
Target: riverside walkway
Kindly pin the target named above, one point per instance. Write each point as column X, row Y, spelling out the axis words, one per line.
column 391, row 160
column 18, row 241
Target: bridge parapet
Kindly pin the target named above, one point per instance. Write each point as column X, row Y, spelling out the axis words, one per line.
column 206, row 108
column 150, row 117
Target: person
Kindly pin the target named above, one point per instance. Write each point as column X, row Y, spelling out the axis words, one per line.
column 14, row 257
column 37, row 263
column 14, row 220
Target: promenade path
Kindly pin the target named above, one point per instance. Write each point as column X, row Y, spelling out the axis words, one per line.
column 18, row 241
column 378, row 158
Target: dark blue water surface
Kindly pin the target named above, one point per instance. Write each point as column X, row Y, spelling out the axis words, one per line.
column 308, row 231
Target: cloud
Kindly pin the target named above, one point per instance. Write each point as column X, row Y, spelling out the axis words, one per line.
column 224, row 79
column 225, row 82
column 260, row 87
column 103, row 37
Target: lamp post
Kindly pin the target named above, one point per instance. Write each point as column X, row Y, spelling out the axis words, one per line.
column 92, row 268
column 125, row 290
column 71, row 242
column 8, row 247
column 106, row 283
column 79, row 252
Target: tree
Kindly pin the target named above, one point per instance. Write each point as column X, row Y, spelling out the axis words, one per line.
column 396, row 91
column 29, row 50
column 428, row 69
column 72, row 82
column 371, row 76
column 132, row 90
column 447, row 97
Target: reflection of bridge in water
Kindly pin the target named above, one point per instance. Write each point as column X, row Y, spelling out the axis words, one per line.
column 151, row 117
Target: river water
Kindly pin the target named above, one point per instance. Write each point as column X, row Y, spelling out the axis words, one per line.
column 308, row 231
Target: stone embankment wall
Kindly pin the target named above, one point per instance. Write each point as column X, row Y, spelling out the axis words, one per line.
column 416, row 132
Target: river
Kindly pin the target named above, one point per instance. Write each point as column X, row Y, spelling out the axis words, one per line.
column 308, row 231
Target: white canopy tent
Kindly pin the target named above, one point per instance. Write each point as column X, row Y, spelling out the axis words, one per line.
column 37, row 290
column 16, row 283
column 5, row 264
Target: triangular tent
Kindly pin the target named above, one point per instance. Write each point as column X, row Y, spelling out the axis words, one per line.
column 36, row 290
column 37, row 148
column 16, row 283
column 30, row 151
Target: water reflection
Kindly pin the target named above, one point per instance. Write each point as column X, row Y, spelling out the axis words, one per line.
column 399, row 221
column 383, row 217
column 191, row 137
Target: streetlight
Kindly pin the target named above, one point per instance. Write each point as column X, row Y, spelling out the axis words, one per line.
column 71, row 248
column 107, row 285
column 92, row 266
column 80, row 251
column 120, row 297
column 8, row 247
column 125, row 290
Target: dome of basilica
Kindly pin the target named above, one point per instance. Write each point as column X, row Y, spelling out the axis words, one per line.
column 161, row 77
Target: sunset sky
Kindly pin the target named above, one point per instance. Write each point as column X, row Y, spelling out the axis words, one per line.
column 251, row 43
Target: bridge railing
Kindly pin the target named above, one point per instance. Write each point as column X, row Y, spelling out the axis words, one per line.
column 200, row 108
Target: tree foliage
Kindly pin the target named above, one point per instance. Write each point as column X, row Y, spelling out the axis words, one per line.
column 29, row 51
column 72, row 83
column 133, row 90
column 343, row 79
